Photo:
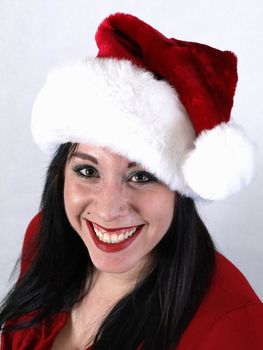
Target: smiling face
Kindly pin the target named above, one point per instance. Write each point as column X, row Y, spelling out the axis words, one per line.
column 119, row 210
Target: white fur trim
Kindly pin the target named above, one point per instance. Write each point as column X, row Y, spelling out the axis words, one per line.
column 115, row 104
column 221, row 163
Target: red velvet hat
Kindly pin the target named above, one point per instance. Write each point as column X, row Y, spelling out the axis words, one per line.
column 163, row 102
column 205, row 78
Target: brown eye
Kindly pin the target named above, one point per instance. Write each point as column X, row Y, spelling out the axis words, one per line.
column 86, row 171
column 142, row 177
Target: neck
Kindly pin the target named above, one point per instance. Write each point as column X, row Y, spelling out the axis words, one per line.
column 113, row 285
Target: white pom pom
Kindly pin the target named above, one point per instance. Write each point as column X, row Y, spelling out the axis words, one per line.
column 221, row 163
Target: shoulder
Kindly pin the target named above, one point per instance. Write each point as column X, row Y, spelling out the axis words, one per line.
column 230, row 285
column 39, row 337
column 30, row 243
column 230, row 316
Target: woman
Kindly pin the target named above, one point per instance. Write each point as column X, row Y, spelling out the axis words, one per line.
column 118, row 257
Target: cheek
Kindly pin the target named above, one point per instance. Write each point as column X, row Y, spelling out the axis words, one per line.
column 75, row 202
column 160, row 211
column 164, row 212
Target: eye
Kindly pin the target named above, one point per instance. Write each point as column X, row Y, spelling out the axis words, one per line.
column 142, row 177
column 86, row 171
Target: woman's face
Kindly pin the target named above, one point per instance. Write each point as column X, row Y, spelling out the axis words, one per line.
column 119, row 210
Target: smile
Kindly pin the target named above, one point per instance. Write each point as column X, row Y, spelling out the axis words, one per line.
column 113, row 239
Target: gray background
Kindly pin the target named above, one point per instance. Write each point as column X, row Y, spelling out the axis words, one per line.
column 38, row 34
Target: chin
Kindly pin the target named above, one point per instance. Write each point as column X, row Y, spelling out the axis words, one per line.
column 118, row 264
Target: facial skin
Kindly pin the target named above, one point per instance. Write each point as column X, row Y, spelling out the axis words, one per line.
column 106, row 191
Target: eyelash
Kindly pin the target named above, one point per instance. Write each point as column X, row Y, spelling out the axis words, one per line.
column 146, row 177
column 78, row 169
column 149, row 177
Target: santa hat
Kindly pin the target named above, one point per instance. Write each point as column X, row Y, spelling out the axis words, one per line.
column 161, row 102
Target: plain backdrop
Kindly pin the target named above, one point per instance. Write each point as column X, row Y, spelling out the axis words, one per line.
column 36, row 35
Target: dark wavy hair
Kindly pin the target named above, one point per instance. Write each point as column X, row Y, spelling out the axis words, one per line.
column 154, row 314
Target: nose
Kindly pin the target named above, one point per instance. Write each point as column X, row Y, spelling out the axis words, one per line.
column 111, row 202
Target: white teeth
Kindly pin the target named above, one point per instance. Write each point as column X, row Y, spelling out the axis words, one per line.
column 113, row 238
column 121, row 237
column 96, row 231
column 106, row 238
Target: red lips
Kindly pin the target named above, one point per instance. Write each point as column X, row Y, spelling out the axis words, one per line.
column 113, row 247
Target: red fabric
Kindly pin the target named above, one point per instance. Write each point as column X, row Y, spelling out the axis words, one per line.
column 29, row 244
column 205, row 78
column 36, row 338
column 229, row 318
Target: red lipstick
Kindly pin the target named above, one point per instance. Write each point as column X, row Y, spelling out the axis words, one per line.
column 112, row 247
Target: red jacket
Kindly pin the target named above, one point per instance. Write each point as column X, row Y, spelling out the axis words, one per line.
column 230, row 317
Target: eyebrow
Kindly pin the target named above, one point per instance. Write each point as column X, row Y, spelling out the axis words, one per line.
column 86, row 156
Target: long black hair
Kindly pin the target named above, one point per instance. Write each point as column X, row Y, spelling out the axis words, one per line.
column 154, row 315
